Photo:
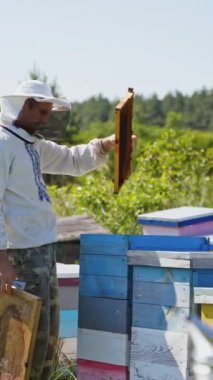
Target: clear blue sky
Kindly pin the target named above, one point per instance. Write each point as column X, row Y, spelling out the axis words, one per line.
column 106, row 46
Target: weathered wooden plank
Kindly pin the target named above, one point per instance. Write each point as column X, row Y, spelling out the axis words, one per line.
column 104, row 314
column 163, row 275
column 160, row 347
column 160, row 317
column 103, row 265
column 203, row 262
column 175, row 259
column 68, row 323
column 105, row 244
column 140, row 370
column 71, row 227
column 207, row 314
column 161, row 294
column 200, row 255
column 159, row 259
column 177, row 255
column 91, row 370
column 102, row 346
column 203, row 295
column 104, row 286
column 168, row 243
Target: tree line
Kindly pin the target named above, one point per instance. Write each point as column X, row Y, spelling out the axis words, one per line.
column 195, row 111
column 174, row 110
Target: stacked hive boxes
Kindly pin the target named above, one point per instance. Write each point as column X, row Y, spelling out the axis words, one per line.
column 162, row 299
column 154, row 296
column 164, row 294
column 104, row 315
column 185, row 221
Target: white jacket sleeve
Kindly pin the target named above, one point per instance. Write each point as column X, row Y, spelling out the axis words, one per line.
column 3, row 233
column 75, row 161
column 5, row 162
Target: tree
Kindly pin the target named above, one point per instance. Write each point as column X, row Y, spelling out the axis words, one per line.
column 36, row 74
column 153, row 111
column 173, row 120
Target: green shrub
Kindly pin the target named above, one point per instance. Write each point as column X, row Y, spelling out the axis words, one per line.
column 171, row 172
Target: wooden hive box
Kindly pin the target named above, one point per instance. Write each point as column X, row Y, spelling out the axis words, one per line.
column 104, row 325
column 181, row 221
column 105, row 305
column 163, row 297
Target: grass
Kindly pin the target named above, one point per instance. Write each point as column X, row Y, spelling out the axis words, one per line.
column 64, row 368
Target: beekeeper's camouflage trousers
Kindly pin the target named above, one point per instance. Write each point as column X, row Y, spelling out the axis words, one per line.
column 37, row 268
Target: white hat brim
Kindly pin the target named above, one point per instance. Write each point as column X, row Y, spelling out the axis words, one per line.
column 59, row 104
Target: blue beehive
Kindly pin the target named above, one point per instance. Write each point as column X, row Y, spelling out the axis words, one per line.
column 163, row 297
column 111, row 303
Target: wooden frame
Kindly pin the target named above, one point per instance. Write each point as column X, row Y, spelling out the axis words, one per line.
column 123, row 140
column 19, row 317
